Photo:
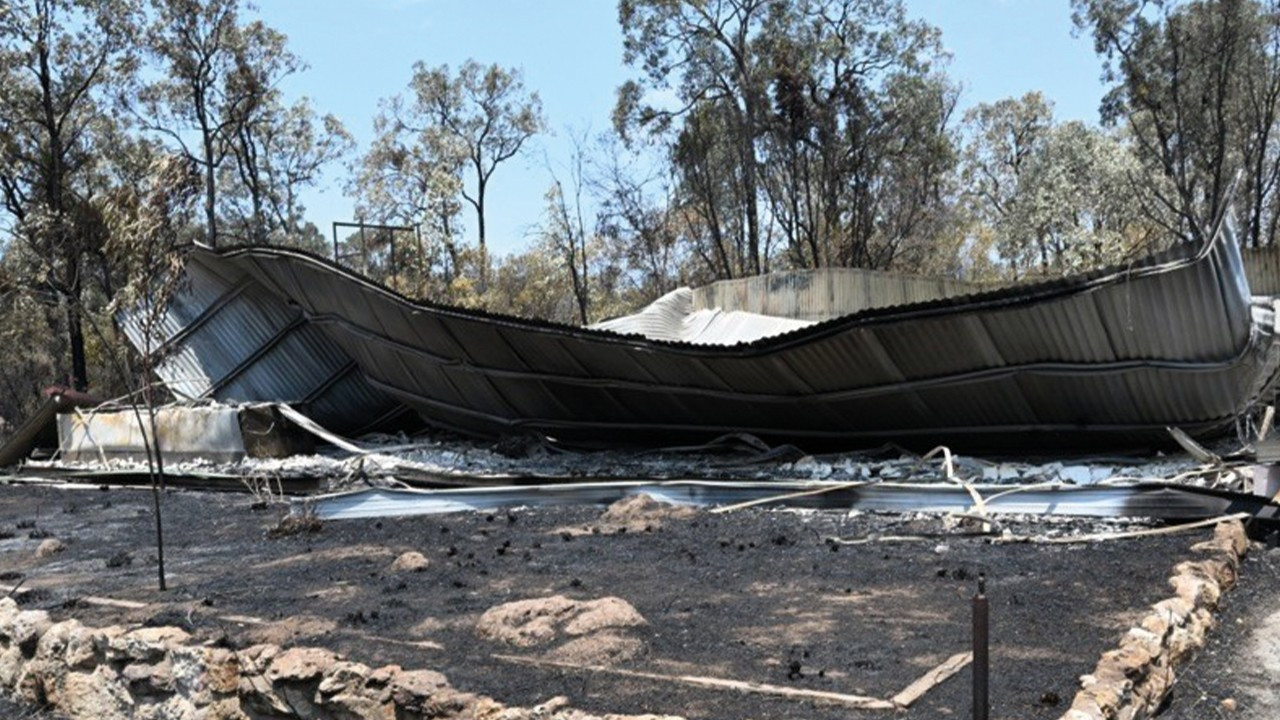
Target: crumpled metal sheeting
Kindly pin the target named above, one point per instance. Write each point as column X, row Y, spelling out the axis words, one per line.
column 1110, row 358
column 1151, row 500
column 225, row 336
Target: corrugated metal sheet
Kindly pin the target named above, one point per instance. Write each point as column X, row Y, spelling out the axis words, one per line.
column 825, row 293
column 1109, row 358
column 1155, row 500
column 226, row 337
column 1262, row 268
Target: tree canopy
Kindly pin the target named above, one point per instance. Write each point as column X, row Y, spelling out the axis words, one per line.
column 749, row 136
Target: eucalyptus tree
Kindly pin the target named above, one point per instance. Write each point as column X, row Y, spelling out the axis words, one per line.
column 1056, row 198
column 414, row 179
column 637, row 218
column 485, row 115
column 1196, row 84
column 279, row 150
column 216, row 99
column 704, row 53
column 821, row 127
column 59, row 60
column 451, row 134
column 195, row 100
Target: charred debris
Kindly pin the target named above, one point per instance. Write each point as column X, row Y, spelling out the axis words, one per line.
column 1144, row 390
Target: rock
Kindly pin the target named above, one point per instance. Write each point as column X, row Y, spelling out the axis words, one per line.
column 53, row 642
column 1197, row 591
column 1172, row 610
column 25, row 629
column 220, row 674
column 603, row 648
column 411, row 561
column 612, row 716
column 1228, row 704
column 641, row 512
column 39, row 682
column 8, row 611
column 342, row 676
column 381, row 677
column 552, row 706
column 300, row 665
column 228, row 709
column 346, row 687
column 95, row 695
column 538, row 621
column 145, row 644
column 417, row 683
column 49, row 548
column 11, row 662
column 174, row 707
column 591, row 632
column 158, row 674
column 82, row 649
column 1233, row 532
column 525, row 623
column 604, row 613
column 157, row 678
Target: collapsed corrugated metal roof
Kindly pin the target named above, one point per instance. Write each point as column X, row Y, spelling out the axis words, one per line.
column 226, row 337
column 1109, row 358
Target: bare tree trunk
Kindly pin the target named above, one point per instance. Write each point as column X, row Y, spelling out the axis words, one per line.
column 156, row 462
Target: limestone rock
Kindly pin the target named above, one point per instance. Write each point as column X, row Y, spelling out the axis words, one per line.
column 145, row 644
column 411, row 561
column 25, row 628
column 300, row 665
column 95, row 695
column 641, row 512
column 537, row 621
column 49, row 548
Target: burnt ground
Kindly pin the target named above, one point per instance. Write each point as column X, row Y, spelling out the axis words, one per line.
column 755, row 595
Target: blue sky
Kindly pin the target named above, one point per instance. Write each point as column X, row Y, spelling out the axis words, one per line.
column 360, row 51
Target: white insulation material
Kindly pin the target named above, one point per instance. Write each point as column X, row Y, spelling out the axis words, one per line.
column 673, row 319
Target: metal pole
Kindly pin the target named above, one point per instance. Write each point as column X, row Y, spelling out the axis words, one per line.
column 392, row 233
column 364, row 248
column 981, row 636
column 335, row 242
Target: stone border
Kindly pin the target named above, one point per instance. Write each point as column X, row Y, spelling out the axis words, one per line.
column 1131, row 682
column 116, row 674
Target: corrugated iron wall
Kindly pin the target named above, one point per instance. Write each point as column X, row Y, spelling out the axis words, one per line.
column 825, row 293
column 227, row 337
column 1262, row 268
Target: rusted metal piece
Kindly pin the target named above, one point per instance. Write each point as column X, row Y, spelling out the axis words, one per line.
column 39, row 430
column 981, row 648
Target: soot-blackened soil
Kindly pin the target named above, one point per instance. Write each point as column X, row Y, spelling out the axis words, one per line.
column 757, row 595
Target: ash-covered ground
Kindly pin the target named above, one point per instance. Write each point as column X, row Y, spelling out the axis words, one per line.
column 755, row 595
